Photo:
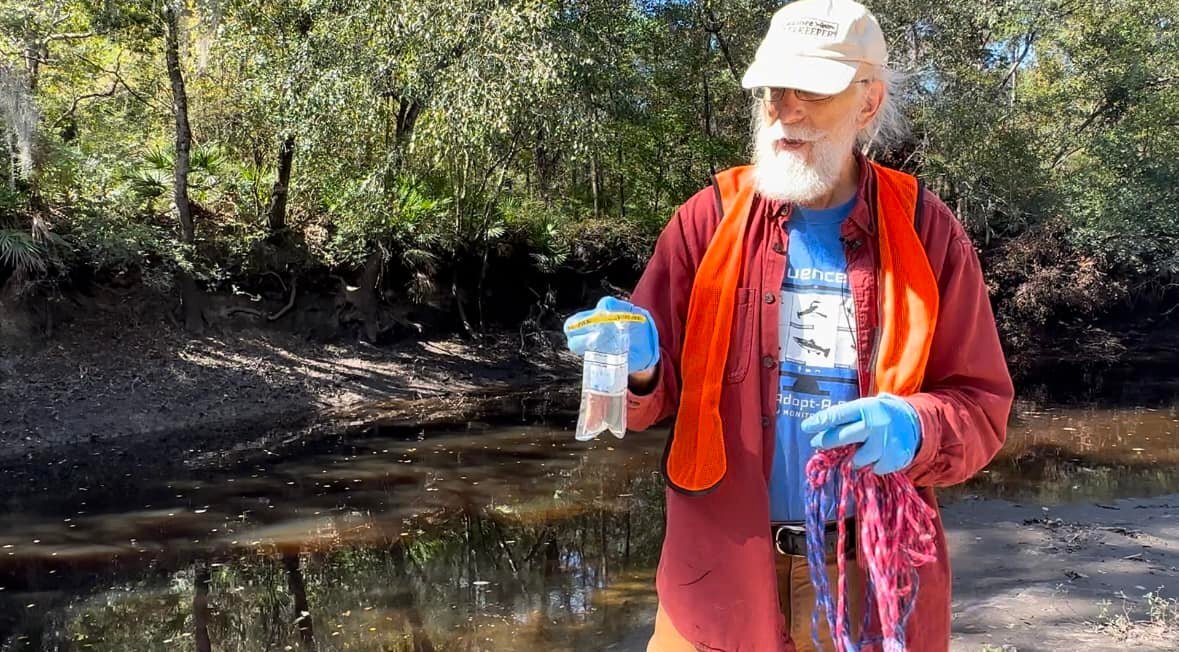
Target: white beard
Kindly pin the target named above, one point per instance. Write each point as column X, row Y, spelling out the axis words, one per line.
column 787, row 176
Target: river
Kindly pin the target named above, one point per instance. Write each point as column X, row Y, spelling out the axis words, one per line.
column 481, row 537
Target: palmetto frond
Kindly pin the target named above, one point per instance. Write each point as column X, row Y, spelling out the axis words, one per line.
column 18, row 250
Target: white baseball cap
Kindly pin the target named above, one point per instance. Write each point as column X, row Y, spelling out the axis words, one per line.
column 817, row 46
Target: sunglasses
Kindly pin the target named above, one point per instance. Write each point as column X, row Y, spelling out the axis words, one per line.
column 773, row 95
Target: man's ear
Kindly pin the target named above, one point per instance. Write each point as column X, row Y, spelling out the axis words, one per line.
column 873, row 101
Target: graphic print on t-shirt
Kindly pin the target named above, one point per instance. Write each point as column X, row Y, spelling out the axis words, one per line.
column 814, row 325
column 817, row 354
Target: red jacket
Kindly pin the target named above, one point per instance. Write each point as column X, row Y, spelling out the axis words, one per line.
column 716, row 573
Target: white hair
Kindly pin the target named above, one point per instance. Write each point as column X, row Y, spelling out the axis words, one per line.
column 889, row 126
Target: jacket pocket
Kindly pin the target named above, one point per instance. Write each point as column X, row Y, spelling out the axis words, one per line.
column 742, row 336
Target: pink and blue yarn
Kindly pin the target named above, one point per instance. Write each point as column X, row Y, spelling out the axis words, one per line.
column 895, row 536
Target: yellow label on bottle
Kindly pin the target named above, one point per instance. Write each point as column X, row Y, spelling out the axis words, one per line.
column 608, row 318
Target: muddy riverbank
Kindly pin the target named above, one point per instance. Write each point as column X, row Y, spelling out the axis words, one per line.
column 1080, row 576
column 146, row 386
column 137, row 380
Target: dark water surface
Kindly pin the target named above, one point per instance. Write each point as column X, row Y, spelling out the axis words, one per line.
column 480, row 538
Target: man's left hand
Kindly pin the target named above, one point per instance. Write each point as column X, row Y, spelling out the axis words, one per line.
column 886, row 427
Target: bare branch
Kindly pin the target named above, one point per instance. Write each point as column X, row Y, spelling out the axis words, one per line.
column 58, row 20
column 1067, row 150
column 1108, row 105
column 1027, row 47
column 280, row 281
column 70, row 36
column 713, row 26
column 504, row 160
column 229, row 312
column 28, row 55
column 119, row 79
column 77, row 100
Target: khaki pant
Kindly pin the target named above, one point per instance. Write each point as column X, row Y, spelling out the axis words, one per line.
column 798, row 601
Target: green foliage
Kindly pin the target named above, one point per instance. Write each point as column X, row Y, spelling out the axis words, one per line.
column 368, row 216
column 542, row 229
column 119, row 241
column 447, row 137
column 18, row 250
column 153, row 177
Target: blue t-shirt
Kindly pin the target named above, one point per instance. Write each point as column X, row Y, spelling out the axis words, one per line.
column 817, row 347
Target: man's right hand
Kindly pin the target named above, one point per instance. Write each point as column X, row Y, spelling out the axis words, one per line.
column 643, row 355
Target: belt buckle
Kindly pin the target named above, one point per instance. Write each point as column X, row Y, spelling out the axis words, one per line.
column 778, row 539
column 830, row 540
column 778, row 530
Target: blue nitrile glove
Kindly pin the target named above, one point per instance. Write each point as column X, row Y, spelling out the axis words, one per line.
column 644, row 339
column 885, row 426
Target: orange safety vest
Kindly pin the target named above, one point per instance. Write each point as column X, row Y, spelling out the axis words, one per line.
column 695, row 459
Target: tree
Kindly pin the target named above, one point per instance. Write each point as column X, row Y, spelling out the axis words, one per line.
column 490, row 160
column 191, row 296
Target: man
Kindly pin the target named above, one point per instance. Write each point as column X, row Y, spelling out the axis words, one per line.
column 812, row 300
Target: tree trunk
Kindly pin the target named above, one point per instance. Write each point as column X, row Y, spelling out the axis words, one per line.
column 298, row 591
column 35, row 52
column 546, row 165
column 276, row 214
column 595, row 185
column 200, row 606
column 13, row 161
column 183, row 130
column 457, row 296
column 190, row 295
column 408, row 110
column 621, row 185
column 367, row 299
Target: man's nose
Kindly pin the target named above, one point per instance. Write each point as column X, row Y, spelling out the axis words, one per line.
column 789, row 109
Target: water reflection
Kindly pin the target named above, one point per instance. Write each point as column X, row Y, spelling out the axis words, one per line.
column 505, row 538
column 480, row 540
column 485, row 582
column 1065, row 455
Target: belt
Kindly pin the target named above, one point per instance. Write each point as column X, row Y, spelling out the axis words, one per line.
column 790, row 538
